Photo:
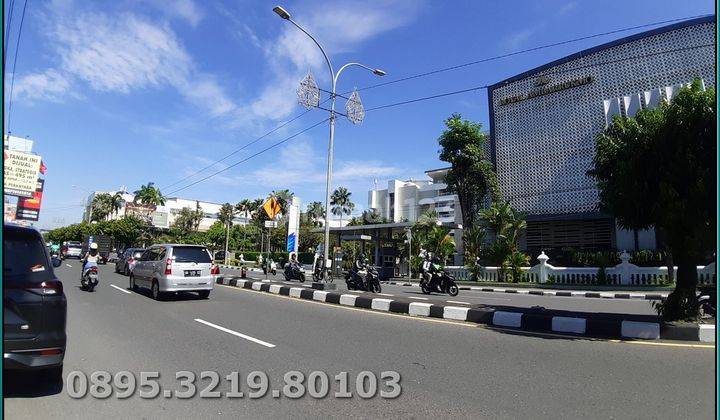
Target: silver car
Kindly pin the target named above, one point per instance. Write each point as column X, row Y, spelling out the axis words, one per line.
column 174, row 268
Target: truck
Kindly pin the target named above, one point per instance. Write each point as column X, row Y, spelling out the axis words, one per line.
column 105, row 245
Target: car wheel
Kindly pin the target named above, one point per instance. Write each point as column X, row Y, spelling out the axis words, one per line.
column 156, row 294
column 203, row 294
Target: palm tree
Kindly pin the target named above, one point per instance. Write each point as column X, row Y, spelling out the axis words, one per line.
column 341, row 203
column 315, row 212
column 149, row 195
column 116, row 202
column 244, row 207
column 284, row 198
column 100, row 206
column 225, row 216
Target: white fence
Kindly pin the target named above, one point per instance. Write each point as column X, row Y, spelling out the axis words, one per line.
column 622, row 274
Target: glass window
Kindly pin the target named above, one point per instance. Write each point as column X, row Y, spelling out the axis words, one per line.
column 25, row 258
column 191, row 254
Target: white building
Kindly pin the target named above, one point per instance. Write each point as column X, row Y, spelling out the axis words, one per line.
column 165, row 215
column 406, row 201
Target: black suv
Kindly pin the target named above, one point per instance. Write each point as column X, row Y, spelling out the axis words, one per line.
column 34, row 305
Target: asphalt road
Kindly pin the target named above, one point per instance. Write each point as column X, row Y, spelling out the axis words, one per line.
column 448, row 369
column 472, row 298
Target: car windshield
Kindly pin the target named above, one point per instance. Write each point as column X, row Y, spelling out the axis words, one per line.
column 25, row 259
column 191, row 254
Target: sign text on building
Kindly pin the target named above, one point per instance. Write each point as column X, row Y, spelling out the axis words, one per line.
column 545, row 89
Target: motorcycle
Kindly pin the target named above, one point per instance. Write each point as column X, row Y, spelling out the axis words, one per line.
column 444, row 282
column 273, row 270
column 89, row 279
column 294, row 272
column 355, row 280
column 372, row 281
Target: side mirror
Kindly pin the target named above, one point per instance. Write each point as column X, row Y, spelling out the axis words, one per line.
column 56, row 262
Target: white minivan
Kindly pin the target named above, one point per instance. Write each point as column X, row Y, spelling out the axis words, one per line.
column 168, row 268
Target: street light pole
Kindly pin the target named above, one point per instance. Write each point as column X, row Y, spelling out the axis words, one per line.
column 331, row 144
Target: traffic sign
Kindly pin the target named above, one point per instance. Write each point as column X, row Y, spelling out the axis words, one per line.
column 270, row 224
column 271, row 207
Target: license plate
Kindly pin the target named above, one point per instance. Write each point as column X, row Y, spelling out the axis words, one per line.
column 192, row 273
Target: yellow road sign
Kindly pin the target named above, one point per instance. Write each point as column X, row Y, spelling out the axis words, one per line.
column 271, row 207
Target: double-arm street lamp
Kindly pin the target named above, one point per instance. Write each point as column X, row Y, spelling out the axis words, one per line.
column 309, row 96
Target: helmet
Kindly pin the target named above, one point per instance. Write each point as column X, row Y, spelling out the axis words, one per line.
column 93, row 245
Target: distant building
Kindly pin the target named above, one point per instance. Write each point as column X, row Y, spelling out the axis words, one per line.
column 406, row 201
column 543, row 124
column 164, row 216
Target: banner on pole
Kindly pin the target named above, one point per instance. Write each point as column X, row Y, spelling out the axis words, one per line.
column 293, row 238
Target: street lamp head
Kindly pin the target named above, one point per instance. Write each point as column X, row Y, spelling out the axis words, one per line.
column 281, row 12
column 379, row 72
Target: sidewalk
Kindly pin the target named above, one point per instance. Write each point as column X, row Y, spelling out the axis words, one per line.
column 611, row 294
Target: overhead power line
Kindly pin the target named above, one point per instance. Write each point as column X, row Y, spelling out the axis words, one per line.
column 286, row 139
column 11, row 9
column 432, row 72
column 12, row 79
column 572, row 69
column 239, row 149
column 524, row 51
column 444, row 94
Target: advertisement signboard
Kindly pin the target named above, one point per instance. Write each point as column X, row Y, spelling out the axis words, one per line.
column 29, row 208
column 20, row 173
column 293, row 225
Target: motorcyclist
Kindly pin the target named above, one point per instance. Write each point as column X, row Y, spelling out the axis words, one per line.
column 359, row 265
column 55, row 249
column 429, row 270
column 90, row 259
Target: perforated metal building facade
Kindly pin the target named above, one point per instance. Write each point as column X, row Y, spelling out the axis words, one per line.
column 543, row 124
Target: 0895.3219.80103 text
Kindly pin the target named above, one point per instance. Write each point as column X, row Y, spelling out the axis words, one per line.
column 295, row 384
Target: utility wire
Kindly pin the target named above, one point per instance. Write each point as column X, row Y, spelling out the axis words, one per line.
column 11, row 9
column 238, row 149
column 12, row 79
column 527, row 50
column 471, row 89
column 440, row 95
column 250, row 157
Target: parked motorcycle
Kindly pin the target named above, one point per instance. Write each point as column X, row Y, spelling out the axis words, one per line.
column 442, row 282
column 273, row 269
column 294, row 272
column 89, row 279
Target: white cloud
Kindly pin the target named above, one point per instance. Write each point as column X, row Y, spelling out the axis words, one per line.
column 123, row 53
column 184, row 9
column 566, row 8
column 48, row 85
column 340, row 26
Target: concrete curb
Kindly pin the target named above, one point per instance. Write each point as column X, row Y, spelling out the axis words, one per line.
column 566, row 293
column 559, row 322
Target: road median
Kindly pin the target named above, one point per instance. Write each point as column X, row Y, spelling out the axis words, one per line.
column 536, row 319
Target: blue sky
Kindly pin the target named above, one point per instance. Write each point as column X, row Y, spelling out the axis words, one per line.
column 131, row 91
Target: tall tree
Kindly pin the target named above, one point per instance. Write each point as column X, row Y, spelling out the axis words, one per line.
column 187, row 220
column 225, row 216
column 316, row 212
column 149, row 195
column 471, row 175
column 658, row 169
column 284, row 198
column 101, row 206
column 116, row 202
column 341, row 203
